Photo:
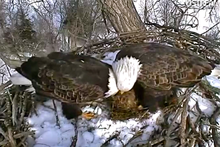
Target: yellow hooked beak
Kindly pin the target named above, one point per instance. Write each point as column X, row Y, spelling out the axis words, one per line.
column 121, row 92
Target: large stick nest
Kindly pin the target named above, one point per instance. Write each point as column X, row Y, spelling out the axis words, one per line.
column 184, row 39
column 15, row 104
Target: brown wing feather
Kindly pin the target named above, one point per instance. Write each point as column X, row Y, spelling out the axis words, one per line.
column 66, row 88
column 70, row 78
column 165, row 67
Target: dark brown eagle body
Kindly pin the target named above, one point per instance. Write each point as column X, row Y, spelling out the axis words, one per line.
column 164, row 69
column 67, row 77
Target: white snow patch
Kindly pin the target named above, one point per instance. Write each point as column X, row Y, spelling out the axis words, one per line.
column 5, row 72
column 216, row 72
column 205, row 105
column 47, row 133
column 214, row 81
column 91, row 133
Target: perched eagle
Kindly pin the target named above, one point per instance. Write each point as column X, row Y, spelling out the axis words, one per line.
column 159, row 69
column 69, row 78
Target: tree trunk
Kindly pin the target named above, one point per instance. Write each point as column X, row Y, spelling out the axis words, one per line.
column 123, row 16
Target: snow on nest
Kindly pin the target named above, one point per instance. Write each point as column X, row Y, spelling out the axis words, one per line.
column 91, row 133
column 47, row 133
column 5, row 72
column 214, row 81
column 216, row 71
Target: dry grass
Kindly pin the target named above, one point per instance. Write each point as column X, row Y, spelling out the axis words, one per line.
column 15, row 106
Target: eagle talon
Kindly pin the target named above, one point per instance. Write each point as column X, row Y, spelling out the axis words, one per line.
column 88, row 115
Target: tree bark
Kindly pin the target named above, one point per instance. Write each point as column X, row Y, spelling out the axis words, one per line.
column 123, row 16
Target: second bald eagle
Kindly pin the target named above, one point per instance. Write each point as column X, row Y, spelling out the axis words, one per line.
column 159, row 69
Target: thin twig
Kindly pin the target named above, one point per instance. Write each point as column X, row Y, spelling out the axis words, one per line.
column 75, row 138
column 183, row 122
column 11, row 138
column 56, row 114
column 3, row 86
column 215, row 133
column 136, row 135
column 114, row 136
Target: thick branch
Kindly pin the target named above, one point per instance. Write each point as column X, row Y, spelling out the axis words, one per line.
column 123, row 16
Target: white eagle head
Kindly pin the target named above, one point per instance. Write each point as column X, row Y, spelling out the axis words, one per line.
column 126, row 71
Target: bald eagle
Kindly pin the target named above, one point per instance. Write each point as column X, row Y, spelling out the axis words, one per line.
column 69, row 78
column 158, row 68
